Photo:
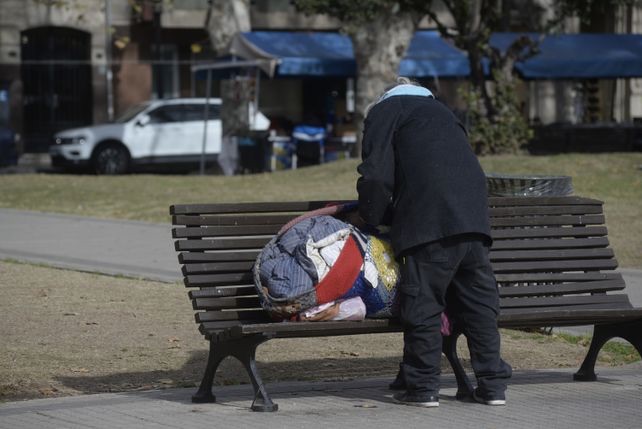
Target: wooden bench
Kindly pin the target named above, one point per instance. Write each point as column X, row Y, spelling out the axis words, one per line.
column 550, row 256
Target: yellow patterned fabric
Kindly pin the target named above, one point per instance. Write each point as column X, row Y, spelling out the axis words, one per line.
column 383, row 258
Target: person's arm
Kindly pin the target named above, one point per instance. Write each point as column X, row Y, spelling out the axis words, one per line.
column 376, row 184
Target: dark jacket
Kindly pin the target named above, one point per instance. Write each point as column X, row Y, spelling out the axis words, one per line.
column 419, row 174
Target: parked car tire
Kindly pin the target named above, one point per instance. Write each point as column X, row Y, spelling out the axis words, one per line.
column 111, row 159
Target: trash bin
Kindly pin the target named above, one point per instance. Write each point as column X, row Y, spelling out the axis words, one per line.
column 8, row 153
column 310, row 144
column 506, row 185
column 252, row 152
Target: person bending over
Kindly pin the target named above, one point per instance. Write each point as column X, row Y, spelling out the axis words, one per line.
column 420, row 176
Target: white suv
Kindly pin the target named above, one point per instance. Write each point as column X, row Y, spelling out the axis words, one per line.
column 155, row 133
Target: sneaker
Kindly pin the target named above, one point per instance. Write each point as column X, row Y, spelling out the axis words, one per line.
column 489, row 400
column 427, row 401
column 398, row 384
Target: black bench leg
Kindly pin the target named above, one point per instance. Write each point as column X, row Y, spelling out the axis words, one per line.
column 245, row 351
column 630, row 331
column 449, row 348
column 204, row 393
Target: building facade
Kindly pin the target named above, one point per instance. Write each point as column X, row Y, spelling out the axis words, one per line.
column 68, row 63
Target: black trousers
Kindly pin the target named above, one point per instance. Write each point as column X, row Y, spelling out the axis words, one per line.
column 454, row 274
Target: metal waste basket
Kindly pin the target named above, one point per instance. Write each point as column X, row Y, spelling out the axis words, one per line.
column 506, row 185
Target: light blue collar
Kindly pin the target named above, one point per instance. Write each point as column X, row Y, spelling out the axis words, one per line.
column 406, row 89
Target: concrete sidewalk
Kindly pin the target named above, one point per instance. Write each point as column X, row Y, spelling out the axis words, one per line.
column 536, row 399
column 117, row 247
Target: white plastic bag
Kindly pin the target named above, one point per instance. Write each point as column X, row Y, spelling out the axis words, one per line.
column 349, row 309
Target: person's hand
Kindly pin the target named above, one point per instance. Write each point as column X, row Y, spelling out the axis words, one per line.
column 354, row 218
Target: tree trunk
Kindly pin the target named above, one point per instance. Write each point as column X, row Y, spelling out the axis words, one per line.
column 379, row 46
column 224, row 19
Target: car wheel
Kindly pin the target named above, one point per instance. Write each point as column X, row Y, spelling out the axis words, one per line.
column 111, row 159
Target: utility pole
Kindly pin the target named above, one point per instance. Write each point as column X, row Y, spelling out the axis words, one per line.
column 158, row 67
column 108, row 71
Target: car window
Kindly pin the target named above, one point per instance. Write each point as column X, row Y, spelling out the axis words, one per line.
column 196, row 112
column 165, row 114
column 131, row 112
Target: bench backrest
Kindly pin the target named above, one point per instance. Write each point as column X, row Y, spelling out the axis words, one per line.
column 548, row 253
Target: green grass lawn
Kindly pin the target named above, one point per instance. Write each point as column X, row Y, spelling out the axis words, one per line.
column 614, row 178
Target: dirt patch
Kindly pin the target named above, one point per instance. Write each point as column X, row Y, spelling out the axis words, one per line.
column 67, row 333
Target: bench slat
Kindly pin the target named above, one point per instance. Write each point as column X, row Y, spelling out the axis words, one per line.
column 575, row 243
column 223, row 243
column 547, row 220
column 215, row 316
column 261, row 207
column 285, row 329
column 224, row 324
column 546, row 266
column 589, row 219
column 544, row 210
column 540, row 201
column 221, row 255
column 556, row 277
column 544, row 311
column 567, row 316
column 226, row 303
column 217, row 267
column 561, row 289
column 541, row 255
column 215, row 220
column 219, row 279
column 214, row 292
column 531, row 303
column 225, row 230
column 584, row 231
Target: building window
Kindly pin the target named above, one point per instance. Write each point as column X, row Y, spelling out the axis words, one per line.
column 165, row 76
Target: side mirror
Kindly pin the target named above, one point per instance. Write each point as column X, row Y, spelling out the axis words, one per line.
column 142, row 121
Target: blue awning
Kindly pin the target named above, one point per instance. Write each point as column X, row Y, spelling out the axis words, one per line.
column 431, row 56
column 331, row 54
column 579, row 56
column 562, row 56
column 306, row 54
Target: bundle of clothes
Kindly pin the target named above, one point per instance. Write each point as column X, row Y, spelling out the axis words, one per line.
column 320, row 267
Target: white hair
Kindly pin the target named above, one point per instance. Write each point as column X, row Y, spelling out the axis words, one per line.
column 401, row 80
